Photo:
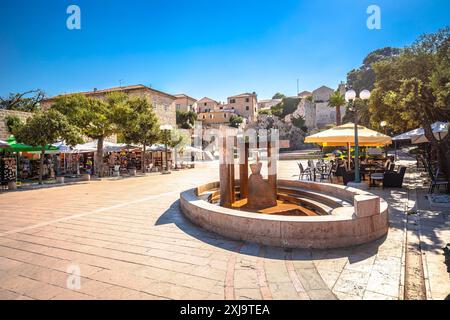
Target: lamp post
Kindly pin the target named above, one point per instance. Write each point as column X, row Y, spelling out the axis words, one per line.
column 350, row 97
column 383, row 125
column 166, row 128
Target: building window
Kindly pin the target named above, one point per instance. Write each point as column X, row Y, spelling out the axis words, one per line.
column 232, row 100
column 247, row 108
column 178, row 106
column 247, row 99
column 211, row 116
column 205, row 104
column 166, row 107
column 224, row 115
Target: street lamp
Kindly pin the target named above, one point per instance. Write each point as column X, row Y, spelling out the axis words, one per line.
column 166, row 128
column 350, row 97
column 383, row 125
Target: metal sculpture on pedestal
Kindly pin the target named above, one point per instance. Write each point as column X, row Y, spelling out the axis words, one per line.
column 254, row 192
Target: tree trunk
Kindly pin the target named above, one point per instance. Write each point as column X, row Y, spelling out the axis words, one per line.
column 143, row 164
column 99, row 159
column 41, row 166
column 338, row 116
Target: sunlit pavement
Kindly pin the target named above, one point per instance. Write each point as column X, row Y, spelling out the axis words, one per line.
column 128, row 240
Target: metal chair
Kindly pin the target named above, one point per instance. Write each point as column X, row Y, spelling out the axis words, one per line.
column 303, row 172
column 436, row 181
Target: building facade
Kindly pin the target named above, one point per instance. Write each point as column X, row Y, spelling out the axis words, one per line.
column 207, row 105
column 244, row 105
column 216, row 117
column 163, row 103
column 185, row 103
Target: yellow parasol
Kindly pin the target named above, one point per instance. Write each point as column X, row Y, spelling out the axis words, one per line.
column 344, row 135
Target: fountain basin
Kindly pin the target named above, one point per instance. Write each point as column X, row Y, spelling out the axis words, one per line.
column 361, row 217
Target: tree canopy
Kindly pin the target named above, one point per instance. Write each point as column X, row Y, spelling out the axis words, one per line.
column 44, row 128
column 26, row 101
column 236, row 121
column 97, row 118
column 187, row 119
column 413, row 89
column 278, row 95
column 337, row 100
column 141, row 126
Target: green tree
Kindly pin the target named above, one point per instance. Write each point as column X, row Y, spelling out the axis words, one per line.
column 26, row 101
column 299, row 122
column 44, row 128
column 285, row 107
column 413, row 89
column 187, row 119
column 235, row 121
column 337, row 100
column 141, row 126
column 97, row 118
column 12, row 122
column 364, row 77
column 278, row 95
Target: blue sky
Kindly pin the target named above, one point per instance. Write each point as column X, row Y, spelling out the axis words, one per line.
column 200, row 47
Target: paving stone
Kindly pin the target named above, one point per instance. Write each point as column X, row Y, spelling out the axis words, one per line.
column 131, row 241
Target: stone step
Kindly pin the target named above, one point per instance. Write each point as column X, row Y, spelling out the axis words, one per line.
column 326, row 199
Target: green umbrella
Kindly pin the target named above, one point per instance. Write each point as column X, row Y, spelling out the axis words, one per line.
column 14, row 146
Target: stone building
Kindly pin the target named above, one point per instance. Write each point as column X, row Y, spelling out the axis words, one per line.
column 244, row 104
column 163, row 103
column 4, row 133
column 313, row 107
column 185, row 103
column 207, row 105
column 216, row 117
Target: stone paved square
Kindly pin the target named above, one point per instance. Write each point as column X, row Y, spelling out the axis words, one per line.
column 129, row 240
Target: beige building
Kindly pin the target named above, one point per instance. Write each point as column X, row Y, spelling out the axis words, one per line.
column 207, row 105
column 316, row 112
column 185, row 103
column 245, row 105
column 163, row 103
column 216, row 117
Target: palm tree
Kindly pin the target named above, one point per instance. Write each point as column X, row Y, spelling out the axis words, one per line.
column 337, row 100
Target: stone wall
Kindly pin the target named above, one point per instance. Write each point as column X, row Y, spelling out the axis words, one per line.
column 4, row 133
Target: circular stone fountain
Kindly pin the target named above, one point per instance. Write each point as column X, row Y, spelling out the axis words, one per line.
column 286, row 213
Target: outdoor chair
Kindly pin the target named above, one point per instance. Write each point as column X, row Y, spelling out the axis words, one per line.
column 394, row 179
column 348, row 176
column 436, row 181
column 303, row 172
column 326, row 174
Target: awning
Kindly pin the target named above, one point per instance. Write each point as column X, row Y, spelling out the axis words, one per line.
column 3, row 144
column 92, row 147
column 440, row 130
column 14, row 146
column 344, row 135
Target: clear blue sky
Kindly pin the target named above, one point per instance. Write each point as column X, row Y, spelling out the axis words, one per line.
column 200, row 47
